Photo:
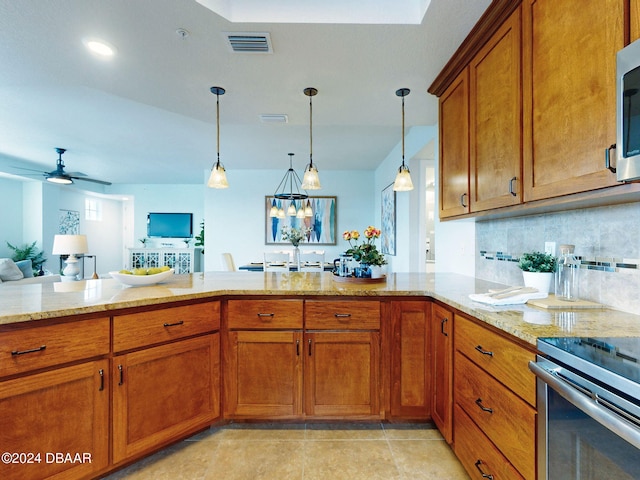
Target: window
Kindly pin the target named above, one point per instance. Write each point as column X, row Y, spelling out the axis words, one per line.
column 93, row 209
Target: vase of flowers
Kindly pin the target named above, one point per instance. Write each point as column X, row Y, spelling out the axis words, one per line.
column 366, row 253
column 295, row 236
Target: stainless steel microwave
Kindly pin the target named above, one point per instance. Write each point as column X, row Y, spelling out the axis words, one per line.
column 628, row 113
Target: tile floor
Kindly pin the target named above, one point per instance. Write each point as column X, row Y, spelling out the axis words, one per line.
column 304, row 452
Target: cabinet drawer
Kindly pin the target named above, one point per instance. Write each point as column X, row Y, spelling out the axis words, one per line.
column 505, row 360
column 39, row 347
column 479, row 456
column 507, row 420
column 342, row 315
column 264, row 314
column 146, row 328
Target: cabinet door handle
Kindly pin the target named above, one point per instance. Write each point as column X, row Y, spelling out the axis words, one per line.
column 444, row 320
column 121, row 371
column 101, row 373
column 482, row 407
column 462, row 200
column 484, row 352
column 309, row 347
column 511, row 189
column 607, row 158
column 266, row 315
column 484, row 475
column 181, row 322
column 342, row 315
column 32, row 350
column 298, row 348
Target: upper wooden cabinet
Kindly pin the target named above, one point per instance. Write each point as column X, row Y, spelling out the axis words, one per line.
column 454, row 147
column 635, row 19
column 495, row 120
column 569, row 66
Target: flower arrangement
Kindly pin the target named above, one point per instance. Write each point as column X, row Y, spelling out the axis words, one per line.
column 295, row 235
column 537, row 262
column 366, row 252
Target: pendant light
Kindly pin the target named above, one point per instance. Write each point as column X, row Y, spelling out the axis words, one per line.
column 289, row 188
column 403, row 181
column 218, row 177
column 311, row 180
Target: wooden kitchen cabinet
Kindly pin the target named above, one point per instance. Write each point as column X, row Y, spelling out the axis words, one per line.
column 411, row 357
column 569, row 67
column 58, row 412
column 163, row 393
column 453, row 113
column 634, row 10
column 496, row 391
column 442, row 369
column 495, row 120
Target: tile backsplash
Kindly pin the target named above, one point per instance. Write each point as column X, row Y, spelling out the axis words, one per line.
column 607, row 239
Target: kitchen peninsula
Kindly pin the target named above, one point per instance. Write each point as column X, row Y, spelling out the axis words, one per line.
column 114, row 372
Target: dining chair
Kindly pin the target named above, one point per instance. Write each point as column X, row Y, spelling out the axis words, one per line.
column 228, row 265
column 311, row 262
column 276, row 262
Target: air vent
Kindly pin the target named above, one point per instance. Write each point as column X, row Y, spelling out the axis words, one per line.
column 249, row 42
column 273, row 118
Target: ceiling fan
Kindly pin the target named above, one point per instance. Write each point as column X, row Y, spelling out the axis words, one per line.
column 66, row 178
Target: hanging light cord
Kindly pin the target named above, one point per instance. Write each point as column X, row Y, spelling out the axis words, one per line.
column 218, row 126
column 310, row 131
column 403, row 130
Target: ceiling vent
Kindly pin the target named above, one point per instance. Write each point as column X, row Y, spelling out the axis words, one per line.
column 274, row 118
column 249, row 42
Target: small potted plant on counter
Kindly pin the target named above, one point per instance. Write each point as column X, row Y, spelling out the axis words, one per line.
column 537, row 270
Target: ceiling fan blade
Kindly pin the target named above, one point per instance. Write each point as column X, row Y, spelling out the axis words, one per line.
column 86, row 179
column 24, row 168
column 75, row 174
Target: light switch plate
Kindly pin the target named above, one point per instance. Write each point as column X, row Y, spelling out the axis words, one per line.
column 550, row 247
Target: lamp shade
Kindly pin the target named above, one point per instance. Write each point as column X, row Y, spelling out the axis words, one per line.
column 70, row 244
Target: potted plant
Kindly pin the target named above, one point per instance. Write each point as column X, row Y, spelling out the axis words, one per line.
column 537, row 270
column 29, row 252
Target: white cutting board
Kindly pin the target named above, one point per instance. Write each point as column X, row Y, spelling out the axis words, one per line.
column 552, row 302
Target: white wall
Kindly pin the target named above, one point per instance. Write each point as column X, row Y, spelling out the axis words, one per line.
column 11, row 217
column 235, row 217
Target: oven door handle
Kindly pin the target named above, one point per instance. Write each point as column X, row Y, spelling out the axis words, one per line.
column 585, row 403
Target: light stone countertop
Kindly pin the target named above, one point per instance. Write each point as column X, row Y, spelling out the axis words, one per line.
column 44, row 301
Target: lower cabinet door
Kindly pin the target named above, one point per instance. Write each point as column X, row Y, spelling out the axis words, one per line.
column 263, row 377
column 55, row 425
column 342, row 375
column 163, row 393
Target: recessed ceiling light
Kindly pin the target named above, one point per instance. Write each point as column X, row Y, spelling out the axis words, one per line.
column 99, row 47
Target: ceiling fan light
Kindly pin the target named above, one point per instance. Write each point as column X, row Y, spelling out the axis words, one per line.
column 311, row 179
column 403, row 181
column 60, row 180
column 218, row 177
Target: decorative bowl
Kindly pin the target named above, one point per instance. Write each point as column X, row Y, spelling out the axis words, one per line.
column 138, row 280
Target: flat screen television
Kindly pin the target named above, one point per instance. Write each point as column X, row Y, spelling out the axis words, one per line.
column 170, row 225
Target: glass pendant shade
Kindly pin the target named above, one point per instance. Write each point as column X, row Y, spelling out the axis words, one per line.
column 403, row 181
column 291, row 211
column 281, row 213
column 308, row 211
column 218, row 177
column 273, row 212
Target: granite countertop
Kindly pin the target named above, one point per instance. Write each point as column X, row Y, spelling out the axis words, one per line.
column 43, row 301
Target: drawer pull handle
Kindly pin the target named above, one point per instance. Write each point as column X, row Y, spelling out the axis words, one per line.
column 266, row 315
column 309, row 347
column 33, row 350
column 444, row 320
column 101, row 373
column 484, row 475
column 121, row 375
column 181, row 322
column 484, row 352
column 298, row 348
column 342, row 315
column 482, row 407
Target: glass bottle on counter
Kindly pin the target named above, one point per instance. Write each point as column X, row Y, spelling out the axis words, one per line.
column 567, row 284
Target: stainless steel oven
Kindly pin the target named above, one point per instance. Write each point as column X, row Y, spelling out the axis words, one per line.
column 588, row 408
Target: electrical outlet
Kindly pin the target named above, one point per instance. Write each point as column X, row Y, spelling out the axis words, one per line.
column 550, row 247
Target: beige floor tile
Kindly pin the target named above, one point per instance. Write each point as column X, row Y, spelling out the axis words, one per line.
column 426, row 459
column 349, row 460
column 263, row 460
column 344, row 431
column 183, row 461
column 420, row 431
column 262, row 431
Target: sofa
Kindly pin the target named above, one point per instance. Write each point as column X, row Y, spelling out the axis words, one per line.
column 21, row 273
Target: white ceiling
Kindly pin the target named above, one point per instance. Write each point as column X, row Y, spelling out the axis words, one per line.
column 147, row 115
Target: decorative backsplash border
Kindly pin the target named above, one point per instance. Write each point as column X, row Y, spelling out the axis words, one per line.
column 603, row 264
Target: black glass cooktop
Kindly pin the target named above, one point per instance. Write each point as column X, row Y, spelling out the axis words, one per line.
column 611, row 360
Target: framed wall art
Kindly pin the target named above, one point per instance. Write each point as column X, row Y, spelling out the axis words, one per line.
column 320, row 219
column 388, row 227
column 69, row 222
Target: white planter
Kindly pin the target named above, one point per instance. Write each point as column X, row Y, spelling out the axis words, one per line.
column 378, row 271
column 539, row 280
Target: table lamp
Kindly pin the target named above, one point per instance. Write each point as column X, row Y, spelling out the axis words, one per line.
column 70, row 245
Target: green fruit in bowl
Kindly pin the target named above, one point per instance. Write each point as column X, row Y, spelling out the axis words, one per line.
column 165, row 268
column 154, row 271
column 125, row 272
column 139, row 271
